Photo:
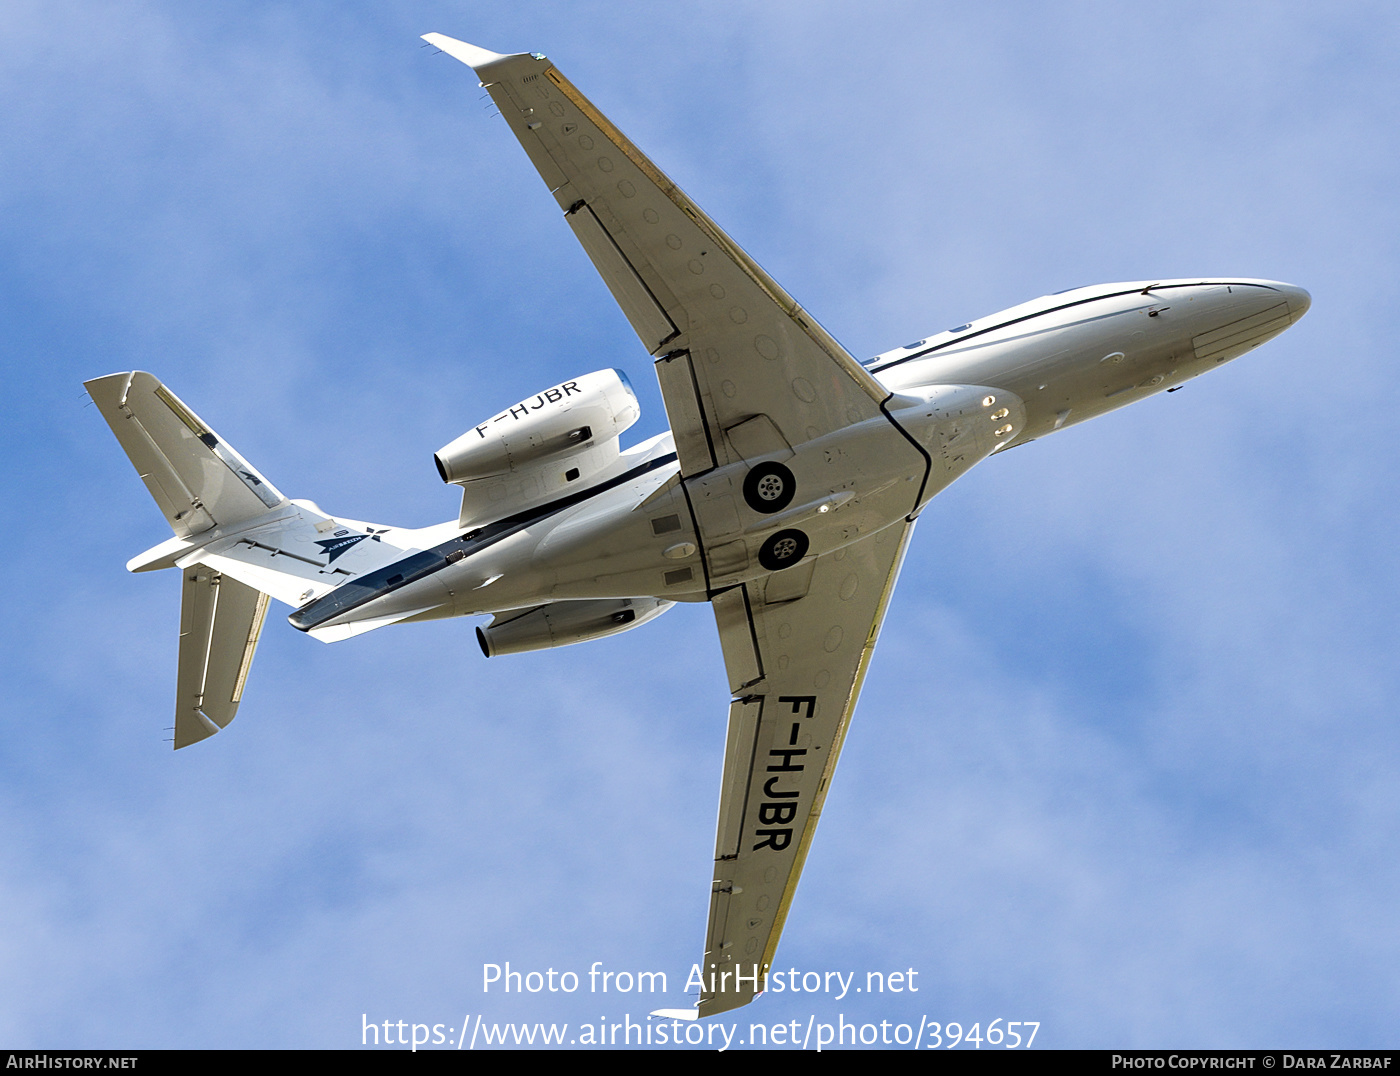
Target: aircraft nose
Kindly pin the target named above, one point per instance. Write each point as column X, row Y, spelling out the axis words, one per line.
column 1298, row 299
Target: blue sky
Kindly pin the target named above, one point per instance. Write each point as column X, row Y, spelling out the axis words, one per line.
column 1126, row 762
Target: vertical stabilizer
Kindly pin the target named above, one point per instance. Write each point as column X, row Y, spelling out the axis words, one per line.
column 238, row 542
column 199, row 483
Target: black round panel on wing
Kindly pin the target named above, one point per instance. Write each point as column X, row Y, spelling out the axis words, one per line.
column 783, row 550
column 769, row 487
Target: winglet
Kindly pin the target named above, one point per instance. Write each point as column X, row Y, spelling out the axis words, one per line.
column 470, row 55
column 677, row 1014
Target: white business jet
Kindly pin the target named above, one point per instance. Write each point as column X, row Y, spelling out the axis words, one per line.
column 784, row 495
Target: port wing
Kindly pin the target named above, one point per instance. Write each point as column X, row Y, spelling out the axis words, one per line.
column 731, row 345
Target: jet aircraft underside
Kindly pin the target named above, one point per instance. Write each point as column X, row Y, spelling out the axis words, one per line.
column 785, row 493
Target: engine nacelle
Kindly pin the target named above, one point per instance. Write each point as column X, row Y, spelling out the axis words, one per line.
column 559, row 422
column 565, row 622
column 540, row 448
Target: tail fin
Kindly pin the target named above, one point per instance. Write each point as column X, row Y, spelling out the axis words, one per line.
column 237, row 541
column 198, row 480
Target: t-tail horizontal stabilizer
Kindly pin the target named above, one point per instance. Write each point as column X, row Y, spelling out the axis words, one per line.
column 198, row 480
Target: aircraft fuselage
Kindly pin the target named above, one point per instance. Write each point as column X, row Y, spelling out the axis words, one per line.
column 957, row 397
column 1084, row 352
